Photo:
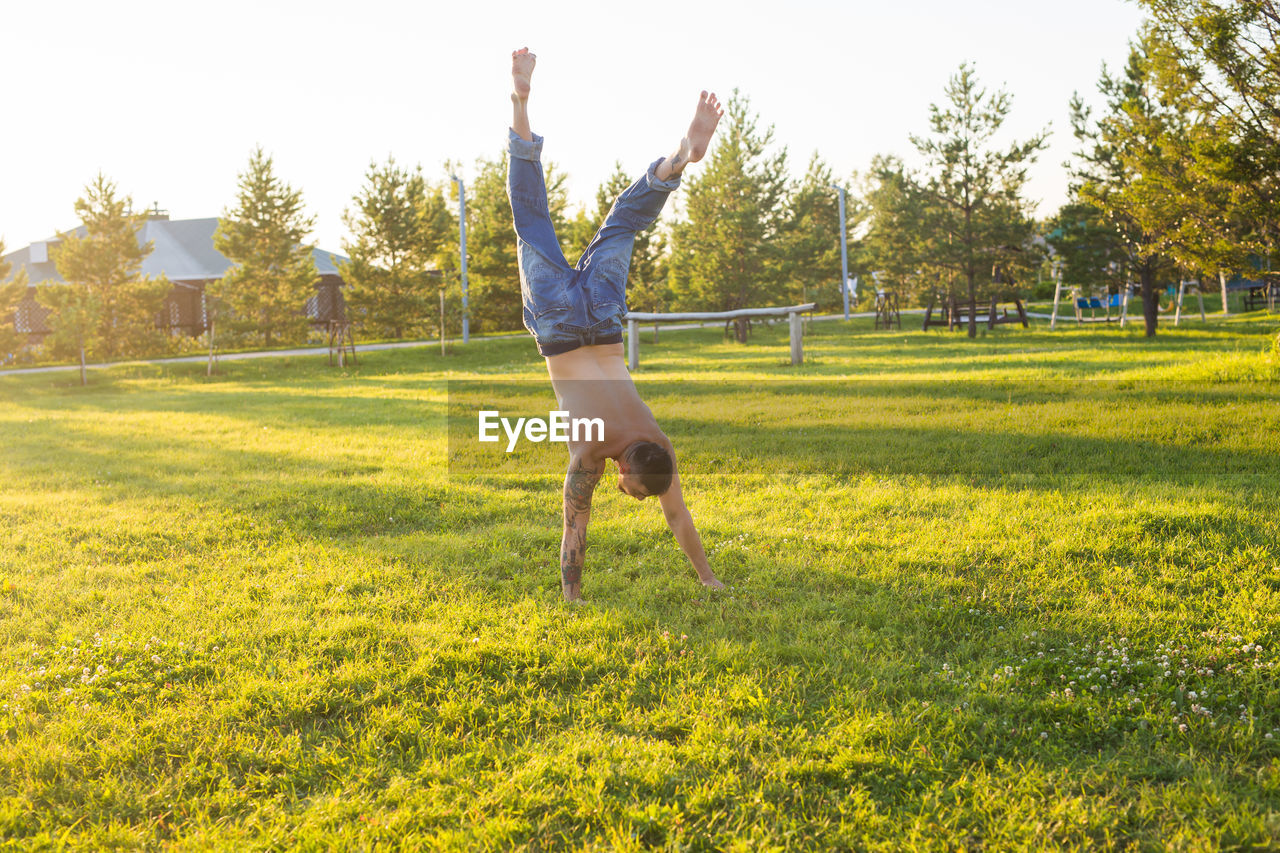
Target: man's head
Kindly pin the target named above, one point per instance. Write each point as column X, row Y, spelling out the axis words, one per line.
column 644, row 469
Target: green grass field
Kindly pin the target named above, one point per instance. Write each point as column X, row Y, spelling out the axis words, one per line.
column 1021, row 592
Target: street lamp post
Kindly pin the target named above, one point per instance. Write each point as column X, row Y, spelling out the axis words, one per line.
column 844, row 253
column 462, row 250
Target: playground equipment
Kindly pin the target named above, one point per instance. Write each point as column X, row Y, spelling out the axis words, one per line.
column 953, row 313
column 792, row 313
column 1185, row 286
column 1257, row 294
column 1092, row 304
column 327, row 311
column 887, row 315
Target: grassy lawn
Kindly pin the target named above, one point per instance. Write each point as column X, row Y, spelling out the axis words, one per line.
column 1018, row 592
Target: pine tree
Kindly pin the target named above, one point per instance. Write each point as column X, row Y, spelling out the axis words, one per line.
column 107, row 261
column 11, row 293
column 893, row 246
column 1116, row 172
column 1218, row 65
column 77, row 316
column 398, row 226
column 811, row 244
column 493, row 271
column 1090, row 248
column 726, row 254
column 265, row 236
column 647, row 278
column 975, row 217
column 576, row 234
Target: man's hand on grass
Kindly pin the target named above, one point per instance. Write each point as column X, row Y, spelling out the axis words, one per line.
column 711, row 581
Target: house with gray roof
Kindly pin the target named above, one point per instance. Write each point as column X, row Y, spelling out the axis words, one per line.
column 182, row 251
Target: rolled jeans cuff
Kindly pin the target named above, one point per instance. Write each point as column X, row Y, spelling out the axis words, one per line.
column 522, row 148
column 652, row 178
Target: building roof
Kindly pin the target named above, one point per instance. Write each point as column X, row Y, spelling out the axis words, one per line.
column 182, row 250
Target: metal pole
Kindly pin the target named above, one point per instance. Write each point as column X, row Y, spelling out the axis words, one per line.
column 633, row 344
column 462, row 250
column 1057, row 294
column 844, row 253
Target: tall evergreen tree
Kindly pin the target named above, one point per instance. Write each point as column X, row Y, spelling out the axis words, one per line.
column 493, row 271
column 265, row 236
column 811, row 243
column 107, row 261
column 11, row 293
column 1116, row 172
column 77, row 316
column 577, row 233
column 1219, row 64
column 647, row 278
column 893, row 245
column 1091, row 249
column 398, row 227
column 975, row 216
column 726, row 253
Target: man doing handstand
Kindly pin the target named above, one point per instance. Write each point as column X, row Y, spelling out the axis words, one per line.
column 575, row 315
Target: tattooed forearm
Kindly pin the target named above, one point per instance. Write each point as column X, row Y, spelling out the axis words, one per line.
column 579, row 483
column 571, row 566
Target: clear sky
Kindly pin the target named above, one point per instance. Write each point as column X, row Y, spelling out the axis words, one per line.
column 168, row 98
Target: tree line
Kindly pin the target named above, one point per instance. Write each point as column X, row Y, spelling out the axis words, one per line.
column 1176, row 175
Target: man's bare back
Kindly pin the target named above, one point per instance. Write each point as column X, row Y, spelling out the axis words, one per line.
column 593, row 382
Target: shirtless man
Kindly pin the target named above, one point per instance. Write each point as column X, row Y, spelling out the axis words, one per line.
column 575, row 315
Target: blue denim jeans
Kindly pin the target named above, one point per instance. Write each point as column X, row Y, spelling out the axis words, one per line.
column 566, row 307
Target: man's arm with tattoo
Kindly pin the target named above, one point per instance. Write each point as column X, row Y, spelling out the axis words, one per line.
column 579, row 483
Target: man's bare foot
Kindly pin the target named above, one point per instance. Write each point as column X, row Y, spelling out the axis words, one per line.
column 522, row 62
column 572, row 592
column 712, row 582
column 693, row 147
column 705, row 118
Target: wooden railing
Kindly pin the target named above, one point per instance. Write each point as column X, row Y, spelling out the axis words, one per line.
column 792, row 312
